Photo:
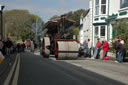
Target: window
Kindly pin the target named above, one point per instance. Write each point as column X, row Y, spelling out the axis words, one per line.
column 123, row 3
column 97, row 7
column 96, row 30
column 103, row 1
column 100, row 5
column 103, row 9
column 103, row 6
column 97, row 2
column 102, row 31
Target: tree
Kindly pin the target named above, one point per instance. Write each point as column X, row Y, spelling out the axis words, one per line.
column 121, row 29
column 76, row 16
column 76, row 31
column 54, row 17
column 73, row 15
column 19, row 23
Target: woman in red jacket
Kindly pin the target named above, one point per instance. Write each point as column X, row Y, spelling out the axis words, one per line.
column 105, row 48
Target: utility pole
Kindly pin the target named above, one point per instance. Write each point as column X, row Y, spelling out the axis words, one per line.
column 36, row 28
column 1, row 10
column 5, row 31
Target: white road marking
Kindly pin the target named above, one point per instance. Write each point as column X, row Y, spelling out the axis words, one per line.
column 77, row 64
column 54, row 59
column 37, row 53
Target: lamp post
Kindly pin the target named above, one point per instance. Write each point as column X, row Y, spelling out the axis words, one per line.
column 1, row 11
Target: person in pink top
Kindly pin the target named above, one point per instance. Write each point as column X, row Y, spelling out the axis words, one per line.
column 105, row 48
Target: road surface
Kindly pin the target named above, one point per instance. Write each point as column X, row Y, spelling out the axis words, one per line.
column 36, row 70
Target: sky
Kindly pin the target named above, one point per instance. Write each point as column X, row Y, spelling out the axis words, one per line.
column 46, row 8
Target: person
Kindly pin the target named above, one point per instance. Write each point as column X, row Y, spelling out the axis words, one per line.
column 8, row 46
column 32, row 46
column 89, row 48
column 18, row 47
column 121, row 40
column 96, row 52
column 85, row 46
column 121, row 52
column 116, row 43
column 23, row 46
column 105, row 49
column 80, row 50
column 15, row 45
column 1, row 46
column 101, row 50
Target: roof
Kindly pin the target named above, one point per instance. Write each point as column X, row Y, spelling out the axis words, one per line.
column 54, row 23
column 86, row 12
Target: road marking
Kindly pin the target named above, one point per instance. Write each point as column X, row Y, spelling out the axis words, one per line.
column 15, row 79
column 10, row 73
column 77, row 64
column 37, row 53
column 54, row 59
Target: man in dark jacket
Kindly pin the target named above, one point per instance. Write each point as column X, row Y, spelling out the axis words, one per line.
column 8, row 45
column 116, row 46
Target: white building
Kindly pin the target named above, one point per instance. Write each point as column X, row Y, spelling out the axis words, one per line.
column 99, row 21
column 104, row 14
column 85, row 31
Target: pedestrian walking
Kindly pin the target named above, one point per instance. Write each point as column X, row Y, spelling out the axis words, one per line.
column 96, row 52
column 32, row 46
column 8, row 46
column 105, row 50
column 23, row 47
column 19, row 47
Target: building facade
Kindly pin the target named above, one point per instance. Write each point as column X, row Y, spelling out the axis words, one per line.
column 85, row 31
column 104, row 15
column 99, row 21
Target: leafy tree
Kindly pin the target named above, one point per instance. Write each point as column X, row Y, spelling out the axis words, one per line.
column 54, row 17
column 76, row 16
column 19, row 23
column 73, row 15
column 76, row 31
column 121, row 29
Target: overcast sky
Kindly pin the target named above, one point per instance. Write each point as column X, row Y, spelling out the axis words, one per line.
column 46, row 8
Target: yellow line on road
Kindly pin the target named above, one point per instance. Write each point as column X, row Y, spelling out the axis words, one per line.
column 15, row 79
column 10, row 73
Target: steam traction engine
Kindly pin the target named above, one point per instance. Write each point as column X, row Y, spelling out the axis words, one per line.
column 57, row 41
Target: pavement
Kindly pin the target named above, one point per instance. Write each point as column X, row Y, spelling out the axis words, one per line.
column 110, row 69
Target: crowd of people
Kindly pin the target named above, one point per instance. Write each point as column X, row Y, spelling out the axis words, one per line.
column 101, row 49
column 8, row 47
